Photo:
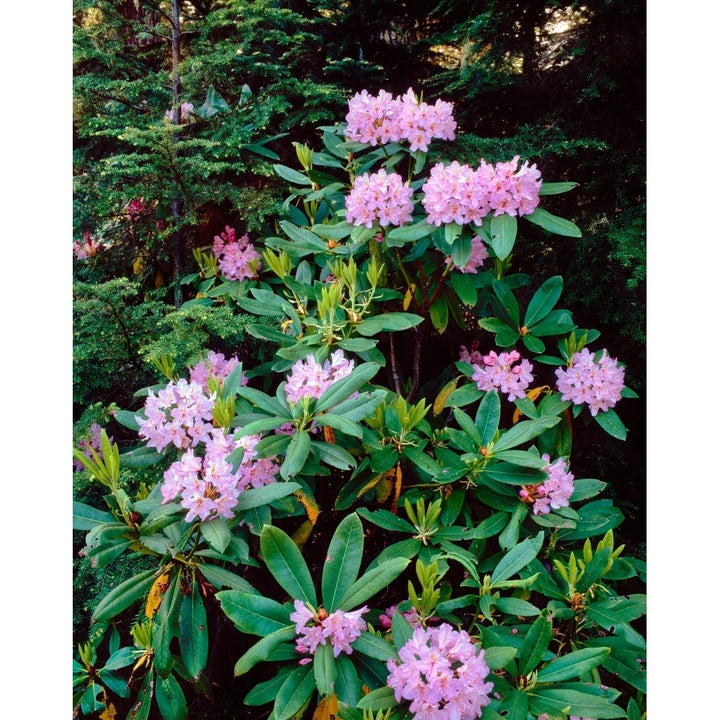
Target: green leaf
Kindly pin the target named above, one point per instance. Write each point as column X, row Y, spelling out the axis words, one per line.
column 503, row 231
column 324, row 669
column 340, row 423
column 262, row 648
column 170, row 699
column 614, row 611
column 253, row 614
column 217, row 533
column 167, row 627
column 348, row 687
column 535, row 644
column 140, row 457
column 508, row 303
column 342, row 563
column 543, row 301
column 498, row 657
column 123, row 596
column 127, row 418
column 511, row 474
column 572, row 665
column 295, row 692
column 287, row 565
column 576, row 702
column 193, row 632
column 409, row 233
column 379, row 699
column 556, row 188
column 387, row 520
column 342, row 389
column 516, row 606
column 554, row 224
column 220, row 578
column 517, row 558
column 86, row 517
column 464, row 286
column 523, row 431
column 214, row 103
column 334, row 455
column 515, row 707
column 292, row 176
column 611, row 424
column 256, row 497
column 388, row 322
column 372, row 582
column 374, row 646
column 487, row 418
column 439, row 313
column 140, row 710
column 296, row 454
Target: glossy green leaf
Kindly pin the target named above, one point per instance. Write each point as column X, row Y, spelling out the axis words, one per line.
column 613, row 611
column 516, row 606
column 523, row 431
column 193, row 632
column 292, row 176
column 170, row 699
column 576, row 702
column 555, row 188
column 340, row 423
column 342, row 563
column 409, row 233
column 439, row 314
column 295, row 692
column 140, row 709
column 260, row 651
column 124, row 595
column 508, row 307
column 535, row 644
column 167, row 627
column 253, row 614
column 515, row 706
column 348, row 686
column 503, row 231
column 287, row 565
column 324, row 669
column 344, row 388
column 517, row 558
column 543, row 301
column 221, row 577
column 86, row 517
column 464, row 286
column 216, row 533
column 487, row 418
column 379, row 699
column 554, row 224
column 511, row 474
column 498, row 657
column 296, row 454
column 611, row 424
column 372, row 582
column 573, row 665
column 388, row 322
column 374, row 646
column 387, row 520
column 255, row 497
column 266, row 692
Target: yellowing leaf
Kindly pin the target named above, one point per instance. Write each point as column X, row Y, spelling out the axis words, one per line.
column 327, row 709
column 109, row 713
column 156, row 593
column 329, row 435
column 408, row 297
column 443, row 395
column 311, row 507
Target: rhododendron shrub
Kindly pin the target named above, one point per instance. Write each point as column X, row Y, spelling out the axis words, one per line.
column 392, row 542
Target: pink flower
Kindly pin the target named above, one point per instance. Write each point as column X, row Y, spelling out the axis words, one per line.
column 340, row 628
column 207, row 485
column 87, row 248
column 442, row 672
column 215, row 366
column 136, row 208
column 597, row 383
column 310, row 379
column 186, row 110
column 237, row 259
column 500, row 372
column 180, row 414
column 382, row 118
column 555, row 492
column 380, row 196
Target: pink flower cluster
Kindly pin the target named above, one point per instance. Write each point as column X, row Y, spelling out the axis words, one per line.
column 237, row 259
column 180, row 414
column 411, row 615
column 381, row 196
column 499, row 371
column 215, row 366
column 93, row 441
column 86, row 248
column 443, row 675
column 207, row 485
column 382, row 118
column 340, row 628
column 308, row 378
column 555, row 492
column 597, row 383
column 457, row 193
column 136, row 208
column 478, row 254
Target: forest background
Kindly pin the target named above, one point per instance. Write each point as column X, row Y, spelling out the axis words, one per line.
column 40, row 199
